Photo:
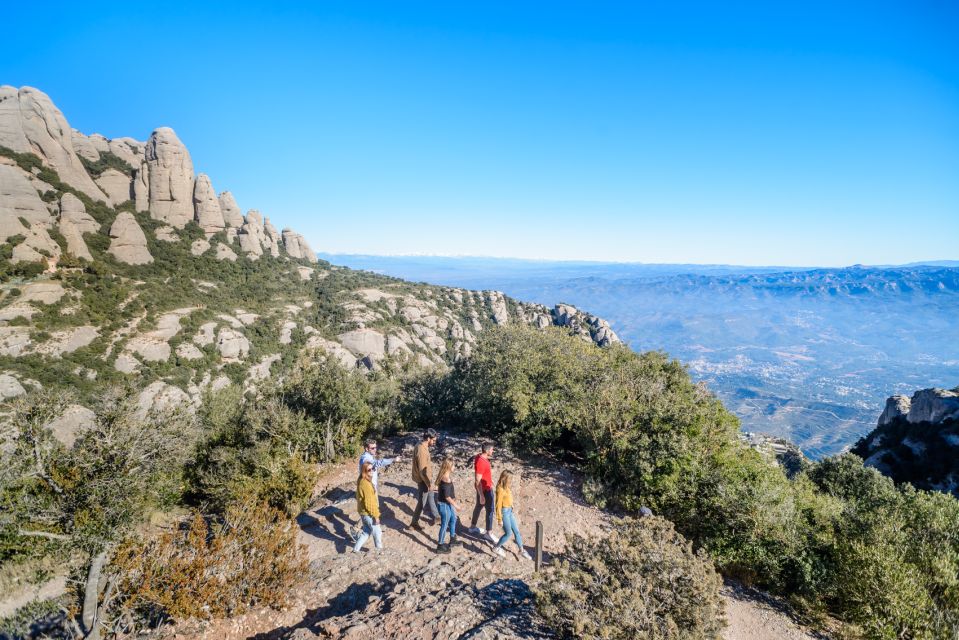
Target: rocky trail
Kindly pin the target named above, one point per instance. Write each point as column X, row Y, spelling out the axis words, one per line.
column 409, row 591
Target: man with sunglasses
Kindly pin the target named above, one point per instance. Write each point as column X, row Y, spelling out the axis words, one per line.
column 369, row 455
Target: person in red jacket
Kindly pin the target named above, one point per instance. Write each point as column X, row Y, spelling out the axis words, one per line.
column 483, row 483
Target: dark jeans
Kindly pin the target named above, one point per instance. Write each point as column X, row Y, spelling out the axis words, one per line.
column 488, row 494
column 424, row 495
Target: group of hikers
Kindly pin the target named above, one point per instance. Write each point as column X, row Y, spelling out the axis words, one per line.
column 438, row 495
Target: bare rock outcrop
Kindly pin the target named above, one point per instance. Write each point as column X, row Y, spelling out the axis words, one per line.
column 252, row 235
column 30, row 123
column 224, row 252
column 207, row 206
column 297, row 247
column 18, row 199
column 73, row 211
column 896, row 407
column 170, row 178
column 128, row 244
column 232, row 344
column 117, row 185
column 76, row 246
column 37, row 247
column 933, row 405
column 232, row 215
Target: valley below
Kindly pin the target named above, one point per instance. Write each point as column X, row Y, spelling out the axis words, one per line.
column 805, row 354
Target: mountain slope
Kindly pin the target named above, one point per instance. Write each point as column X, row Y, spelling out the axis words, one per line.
column 119, row 264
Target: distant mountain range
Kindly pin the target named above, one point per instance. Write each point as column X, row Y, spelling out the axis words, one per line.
column 802, row 353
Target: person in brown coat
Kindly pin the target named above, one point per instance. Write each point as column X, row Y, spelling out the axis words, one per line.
column 425, row 488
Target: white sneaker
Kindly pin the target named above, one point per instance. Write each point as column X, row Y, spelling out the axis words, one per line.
column 499, row 551
column 491, row 537
column 525, row 554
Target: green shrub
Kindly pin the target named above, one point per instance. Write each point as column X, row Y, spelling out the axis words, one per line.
column 641, row 581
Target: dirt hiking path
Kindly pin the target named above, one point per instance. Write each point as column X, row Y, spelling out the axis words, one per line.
column 409, row 591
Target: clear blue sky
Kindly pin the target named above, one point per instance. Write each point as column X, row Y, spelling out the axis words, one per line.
column 752, row 133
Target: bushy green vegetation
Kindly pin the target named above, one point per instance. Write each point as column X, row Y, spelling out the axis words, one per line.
column 642, row 581
column 838, row 538
column 107, row 160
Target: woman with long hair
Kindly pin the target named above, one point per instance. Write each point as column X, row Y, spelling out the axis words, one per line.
column 506, row 517
column 368, row 507
column 448, row 506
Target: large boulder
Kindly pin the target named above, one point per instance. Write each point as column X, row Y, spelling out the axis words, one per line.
column 18, row 199
column 30, row 123
column 364, row 342
column 232, row 344
column 232, row 215
column 73, row 211
column 933, row 405
column 128, row 244
column 10, row 387
column 75, row 243
column 207, row 206
column 297, row 247
column 170, row 178
column 117, row 185
column 68, row 425
column 896, row 407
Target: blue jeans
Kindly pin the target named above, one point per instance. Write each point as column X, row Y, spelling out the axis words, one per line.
column 509, row 529
column 369, row 529
column 447, row 520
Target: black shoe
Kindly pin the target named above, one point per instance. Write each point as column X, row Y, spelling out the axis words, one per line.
column 456, row 541
column 443, row 548
column 416, row 526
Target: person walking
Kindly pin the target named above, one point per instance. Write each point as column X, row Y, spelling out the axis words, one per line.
column 448, row 505
column 425, row 493
column 483, row 483
column 369, row 455
column 506, row 517
column 367, row 504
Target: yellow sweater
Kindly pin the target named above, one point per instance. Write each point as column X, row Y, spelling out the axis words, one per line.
column 366, row 502
column 504, row 498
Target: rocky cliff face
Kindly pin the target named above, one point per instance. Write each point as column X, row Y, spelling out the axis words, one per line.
column 119, row 263
column 917, row 440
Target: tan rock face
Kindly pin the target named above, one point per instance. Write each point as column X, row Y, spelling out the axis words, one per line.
column 18, row 199
column 128, row 244
column 30, row 123
column 232, row 215
column 207, row 206
column 170, row 178
column 73, row 211
column 75, row 243
column 117, row 185
column 37, row 247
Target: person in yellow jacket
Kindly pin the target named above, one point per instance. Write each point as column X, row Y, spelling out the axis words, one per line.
column 505, row 516
column 368, row 506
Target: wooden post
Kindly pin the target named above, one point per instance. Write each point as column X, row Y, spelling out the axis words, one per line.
column 539, row 544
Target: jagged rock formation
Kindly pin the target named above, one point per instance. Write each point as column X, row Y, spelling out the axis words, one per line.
column 246, row 322
column 128, row 244
column 207, row 206
column 232, row 215
column 917, row 440
column 169, row 178
column 30, row 123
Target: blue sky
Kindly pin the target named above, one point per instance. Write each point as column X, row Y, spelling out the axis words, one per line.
column 749, row 133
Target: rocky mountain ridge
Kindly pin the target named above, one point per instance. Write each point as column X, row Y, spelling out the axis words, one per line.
column 916, row 440
column 119, row 264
